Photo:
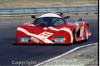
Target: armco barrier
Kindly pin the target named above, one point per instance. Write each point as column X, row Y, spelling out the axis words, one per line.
column 41, row 10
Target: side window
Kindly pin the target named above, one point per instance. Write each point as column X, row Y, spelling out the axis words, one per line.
column 59, row 22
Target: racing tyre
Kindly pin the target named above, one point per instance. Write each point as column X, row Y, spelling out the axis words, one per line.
column 87, row 33
column 74, row 39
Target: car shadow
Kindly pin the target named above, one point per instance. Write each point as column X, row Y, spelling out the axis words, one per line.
column 49, row 44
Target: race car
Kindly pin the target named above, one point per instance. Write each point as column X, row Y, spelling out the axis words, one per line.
column 52, row 28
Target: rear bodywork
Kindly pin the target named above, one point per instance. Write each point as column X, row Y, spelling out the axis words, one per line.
column 30, row 33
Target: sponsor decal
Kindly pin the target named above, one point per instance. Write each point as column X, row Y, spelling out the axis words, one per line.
column 46, row 34
column 34, row 39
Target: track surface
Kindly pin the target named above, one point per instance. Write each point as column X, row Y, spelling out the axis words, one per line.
column 38, row 53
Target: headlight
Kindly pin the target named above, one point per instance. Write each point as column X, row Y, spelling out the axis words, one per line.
column 58, row 38
column 24, row 38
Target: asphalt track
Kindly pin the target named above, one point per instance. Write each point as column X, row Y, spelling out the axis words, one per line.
column 37, row 53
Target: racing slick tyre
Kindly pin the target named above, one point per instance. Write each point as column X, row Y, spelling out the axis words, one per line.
column 86, row 33
column 74, row 39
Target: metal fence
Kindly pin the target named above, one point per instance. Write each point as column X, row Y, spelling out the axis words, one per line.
column 27, row 11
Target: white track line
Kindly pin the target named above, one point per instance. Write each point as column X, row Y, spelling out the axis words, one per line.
column 65, row 53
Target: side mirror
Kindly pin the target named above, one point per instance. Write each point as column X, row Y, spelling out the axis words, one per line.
column 33, row 16
column 66, row 17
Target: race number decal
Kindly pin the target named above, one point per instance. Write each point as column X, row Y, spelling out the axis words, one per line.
column 46, row 34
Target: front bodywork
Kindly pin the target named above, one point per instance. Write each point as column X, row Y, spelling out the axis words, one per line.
column 30, row 33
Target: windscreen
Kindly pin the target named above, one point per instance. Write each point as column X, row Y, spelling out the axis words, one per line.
column 48, row 21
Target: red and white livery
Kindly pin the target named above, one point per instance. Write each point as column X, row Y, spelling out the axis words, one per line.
column 53, row 28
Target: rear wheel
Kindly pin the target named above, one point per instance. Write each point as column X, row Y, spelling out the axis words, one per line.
column 87, row 32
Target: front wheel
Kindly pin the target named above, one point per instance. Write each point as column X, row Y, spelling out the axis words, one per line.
column 74, row 38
